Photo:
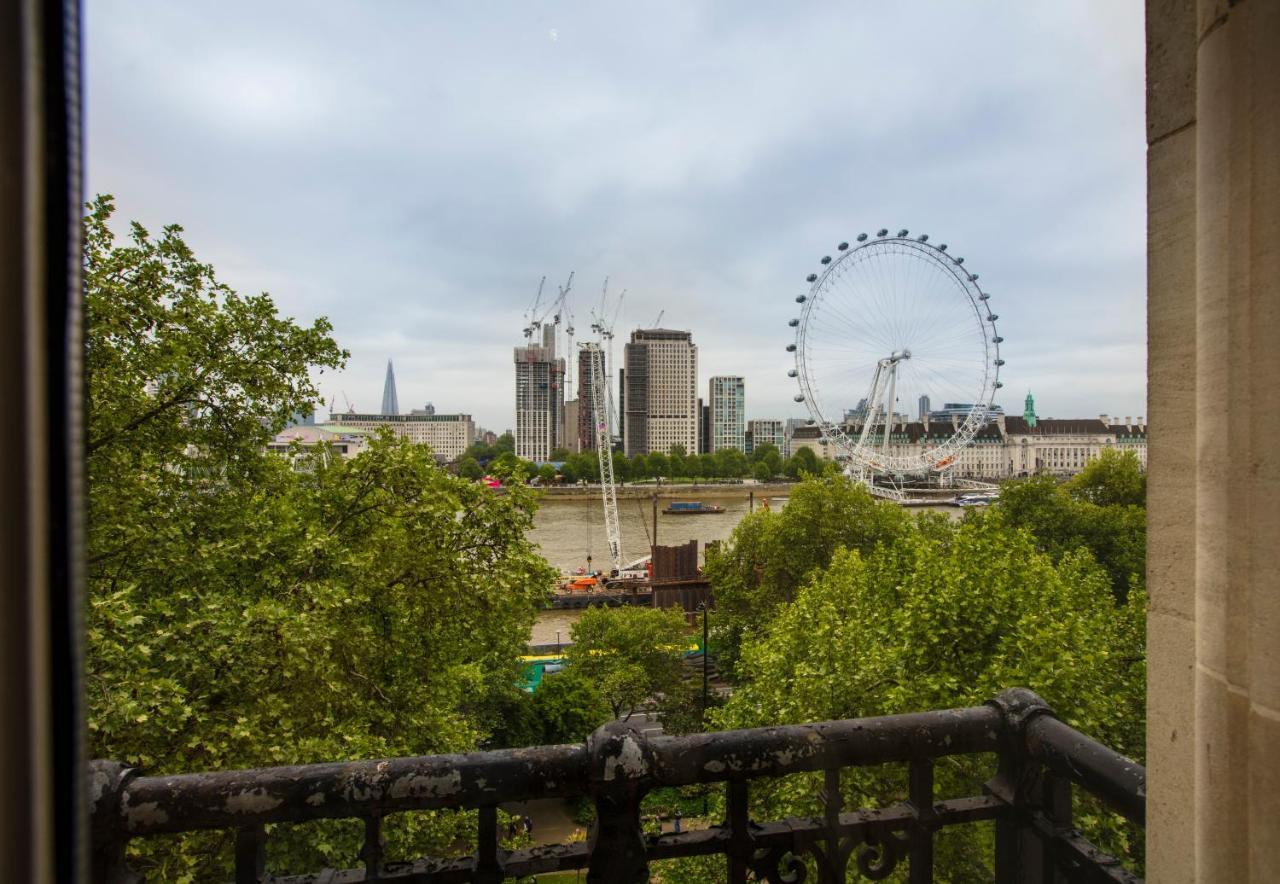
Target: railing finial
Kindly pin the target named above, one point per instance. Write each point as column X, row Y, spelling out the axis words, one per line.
column 107, row 781
column 622, row 767
column 1019, row 706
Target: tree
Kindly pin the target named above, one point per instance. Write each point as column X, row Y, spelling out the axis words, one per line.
column 771, row 553
column 630, row 654
column 1115, row 478
column 1093, row 511
column 559, row 455
column 568, row 707
column 761, row 472
column 803, row 462
column 547, row 474
column 243, row 613
column 469, row 468
column 731, row 463
column 918, row 623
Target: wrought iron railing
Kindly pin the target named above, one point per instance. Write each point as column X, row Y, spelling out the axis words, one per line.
column 1029, row 798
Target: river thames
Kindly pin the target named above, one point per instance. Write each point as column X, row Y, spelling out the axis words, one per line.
column 568, row 529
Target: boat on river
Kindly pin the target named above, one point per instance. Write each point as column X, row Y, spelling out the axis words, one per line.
column 691, row 508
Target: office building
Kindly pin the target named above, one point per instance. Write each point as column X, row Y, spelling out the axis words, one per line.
column 390, row 401
column 767, row 430
column 923, row 411
column 539, row 397
column 728, row 415
column 660, row 397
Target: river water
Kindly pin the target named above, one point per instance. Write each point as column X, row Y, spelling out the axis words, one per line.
column 569, row 529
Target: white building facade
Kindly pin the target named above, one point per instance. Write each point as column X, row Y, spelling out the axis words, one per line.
column 728, row 413
column 448, row 435
column 1007, row 446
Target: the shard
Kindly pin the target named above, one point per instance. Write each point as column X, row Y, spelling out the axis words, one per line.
column 390, row 402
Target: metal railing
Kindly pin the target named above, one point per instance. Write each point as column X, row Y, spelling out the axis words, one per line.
column 1029, row 798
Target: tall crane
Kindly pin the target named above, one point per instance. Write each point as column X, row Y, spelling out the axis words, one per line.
column 604, row 419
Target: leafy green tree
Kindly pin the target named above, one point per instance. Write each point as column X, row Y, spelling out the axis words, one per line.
column 1116, row 478
column 761, row 472
column 630, row 654
column 731, row 463
column 803, row 462
column 547, row 474
column 469, row 468
column 771, row 553
column 1094, row 511
column 657, row 464
column 243, row 613
column 558, row 455
column 926, row 623
column 568, row 707
column 505, row 443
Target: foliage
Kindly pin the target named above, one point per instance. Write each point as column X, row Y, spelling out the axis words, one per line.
column 630, row 654
column 926, row 623
column 568, row 707
column 243, row 613
column 772, row 553
column 803, row 462
column 1102, row 509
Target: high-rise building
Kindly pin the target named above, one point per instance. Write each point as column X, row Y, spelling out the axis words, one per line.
column 390, row 401
column 539, row 398
column 704, row 427
column 768, row 430
column 924, row 408
column 585, row 431
column 661, row 393
column 728, row 413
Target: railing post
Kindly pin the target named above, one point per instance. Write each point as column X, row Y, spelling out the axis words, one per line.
column 1020, row 854
column 107, row 863
column 621, row 771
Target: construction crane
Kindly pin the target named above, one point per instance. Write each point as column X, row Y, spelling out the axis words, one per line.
column 658, row 321
column 604, row 419
column 532, row 321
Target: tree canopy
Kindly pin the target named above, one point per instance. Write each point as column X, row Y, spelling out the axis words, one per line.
column 244, row 612
column 629, row 654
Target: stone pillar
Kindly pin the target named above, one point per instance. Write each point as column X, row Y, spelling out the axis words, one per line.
column 1238, row 478
column 1214, row 496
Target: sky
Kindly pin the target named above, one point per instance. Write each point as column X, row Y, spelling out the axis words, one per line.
column 411, row 170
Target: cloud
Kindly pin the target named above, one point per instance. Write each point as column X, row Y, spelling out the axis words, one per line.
column 411, row 170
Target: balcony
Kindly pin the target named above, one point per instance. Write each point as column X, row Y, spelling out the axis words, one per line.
column 1038, row 762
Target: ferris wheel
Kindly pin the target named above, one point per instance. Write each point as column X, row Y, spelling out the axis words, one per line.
column 890, row 326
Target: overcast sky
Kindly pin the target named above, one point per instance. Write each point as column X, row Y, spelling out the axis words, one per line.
column 412, row 169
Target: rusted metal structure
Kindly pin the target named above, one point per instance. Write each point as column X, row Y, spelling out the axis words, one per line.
column 1028, row 797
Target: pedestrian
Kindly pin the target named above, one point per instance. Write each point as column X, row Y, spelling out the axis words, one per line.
column 528, row 826
column 676, row 826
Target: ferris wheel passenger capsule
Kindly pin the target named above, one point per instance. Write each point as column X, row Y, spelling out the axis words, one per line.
column 791, row 348
column 999, row 362
column 992, row 317
column 862, row 237
column 793, row 322
column 843, row 246
column 999, row 384
column 799, row 397
column 924, row 237
column 942, row 248
column 983, row 296
column 882, row 232
column 792, row 373
column 903, row 232
column 997, row 340
column 800, row 299
column 811, row 277
column 826, row 259
column 959, row 260
column 973, row 277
